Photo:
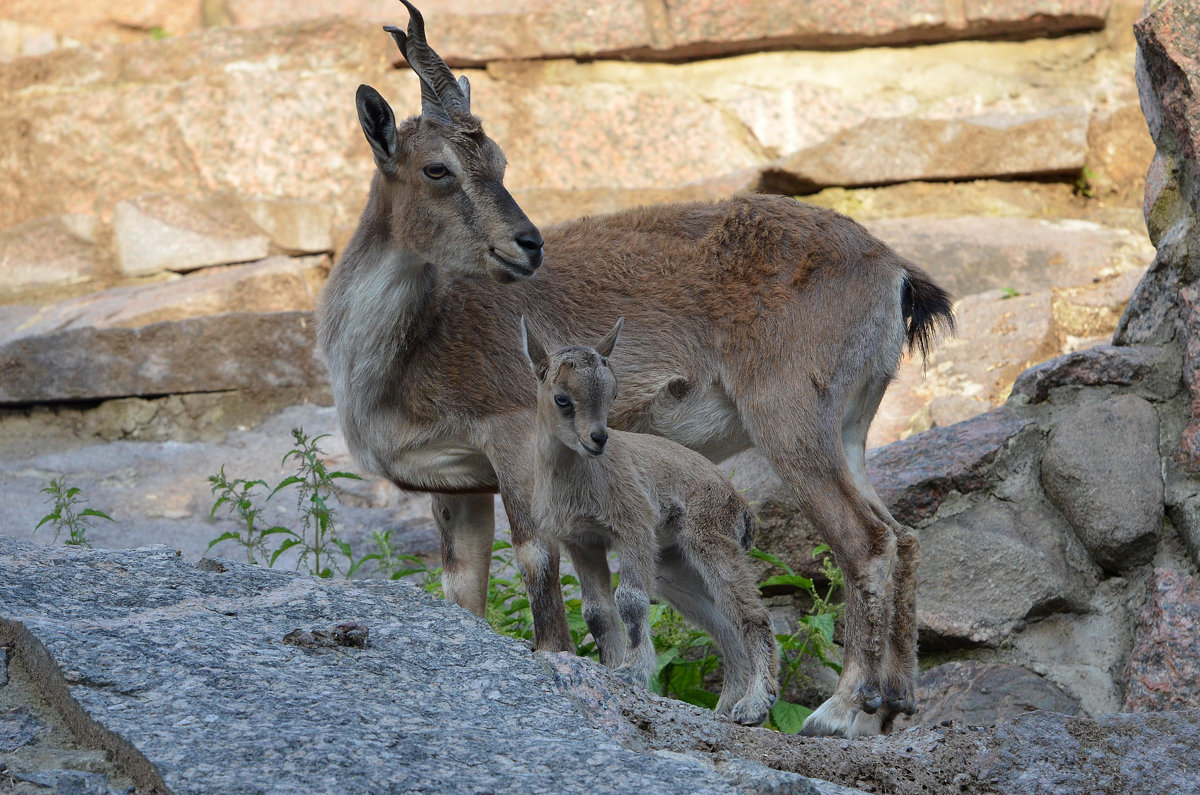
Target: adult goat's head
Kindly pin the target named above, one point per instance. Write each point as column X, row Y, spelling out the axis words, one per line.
column 441, row 178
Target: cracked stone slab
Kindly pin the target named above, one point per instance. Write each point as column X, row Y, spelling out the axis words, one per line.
column 176, row 661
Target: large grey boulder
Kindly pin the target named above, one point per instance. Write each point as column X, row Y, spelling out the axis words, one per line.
column 182, row 672
column 1101, row 468
column 987, row 569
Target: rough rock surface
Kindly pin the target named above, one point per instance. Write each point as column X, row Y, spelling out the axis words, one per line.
column 880, row 151
column 276, row 284
column 1033, row 752
column 983, row 694
column 1104, row 364
column 160, row 115
column 238, row 350
column 974, row 254
column 55, row 250
column 478, row 32
column 916, row 475
column 174, row 661
column 164, row 232
column 1020, row 563
column 436, row 699
column 1164, row 667
column 1101, row 468
column 158, row 491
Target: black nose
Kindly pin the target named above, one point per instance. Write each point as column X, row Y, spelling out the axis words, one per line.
column 599, row 437
column 530, row 240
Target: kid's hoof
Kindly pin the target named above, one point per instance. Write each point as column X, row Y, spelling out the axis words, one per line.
column 751, row 713
column 633, row 676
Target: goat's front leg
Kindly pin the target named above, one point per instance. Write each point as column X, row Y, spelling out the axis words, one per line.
column 599, row 610
column 466, row 526
column 511, row 454
column 633, row 603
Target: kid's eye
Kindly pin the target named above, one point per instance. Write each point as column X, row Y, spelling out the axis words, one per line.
column 436, row 171
column 562, row 401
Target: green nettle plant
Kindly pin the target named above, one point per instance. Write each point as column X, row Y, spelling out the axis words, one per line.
column 687, row 659
column 65, row 514
column 316, row 542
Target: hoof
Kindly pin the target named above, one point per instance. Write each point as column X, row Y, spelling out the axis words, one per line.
column 835, row 719
column 751, row 712
column 868, row 698
column 632, row 675
column 898, row 697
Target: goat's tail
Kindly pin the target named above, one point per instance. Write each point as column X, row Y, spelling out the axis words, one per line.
column 927, row 309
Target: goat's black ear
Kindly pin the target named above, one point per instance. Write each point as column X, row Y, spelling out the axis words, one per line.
column 605, row 346
column 379, row 125
column 535, row 352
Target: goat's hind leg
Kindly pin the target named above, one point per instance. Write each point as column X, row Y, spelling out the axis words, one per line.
column 899, row 670
column 727, row 578
column 599, row 608
column 466, row 526
column 683, row 588
column 863, row 544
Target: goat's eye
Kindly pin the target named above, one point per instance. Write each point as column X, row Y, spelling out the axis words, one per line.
column 562, row 401
column 436, row 171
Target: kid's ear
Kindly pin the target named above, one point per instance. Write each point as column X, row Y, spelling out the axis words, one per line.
column 535, row 352
column 379, row 125
column 605, row 346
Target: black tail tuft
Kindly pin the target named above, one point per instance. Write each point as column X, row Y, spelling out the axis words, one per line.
column 927, row 310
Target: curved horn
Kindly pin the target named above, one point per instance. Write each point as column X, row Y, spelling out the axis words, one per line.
column 435, row 76
column 431, row 107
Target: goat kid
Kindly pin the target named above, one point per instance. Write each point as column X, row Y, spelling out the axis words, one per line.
column 675, row 521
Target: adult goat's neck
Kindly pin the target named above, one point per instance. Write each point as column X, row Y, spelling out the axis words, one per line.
column 373, row 306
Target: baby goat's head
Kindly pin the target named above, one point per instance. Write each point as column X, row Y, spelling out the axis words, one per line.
column 576, row 389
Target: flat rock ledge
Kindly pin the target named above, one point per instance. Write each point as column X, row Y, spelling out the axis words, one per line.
column 181, row 673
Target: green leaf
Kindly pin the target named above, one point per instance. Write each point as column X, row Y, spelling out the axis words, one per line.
column 277, row 529
column 349, row 475
column 789, row 717
column 284, row 547
column 50, row 517
column 820, row 550
column 769, row 558
column 822, row 622
column 794, row 580
column 227, row 536
column 500, row 544
column 283, row 484
column 93, row 512
column 71, row 492
column 699, row 697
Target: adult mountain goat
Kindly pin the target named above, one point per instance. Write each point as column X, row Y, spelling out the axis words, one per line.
column 757, row 321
